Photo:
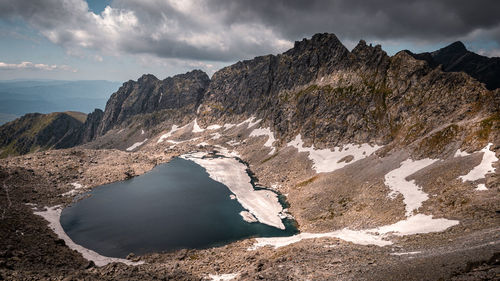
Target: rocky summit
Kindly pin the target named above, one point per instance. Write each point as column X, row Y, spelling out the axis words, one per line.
column 389, row 166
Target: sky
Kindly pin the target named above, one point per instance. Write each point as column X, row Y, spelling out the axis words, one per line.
column 120, row 40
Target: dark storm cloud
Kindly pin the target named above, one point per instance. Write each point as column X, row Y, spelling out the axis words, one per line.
column 228, row 30
column 357, row 19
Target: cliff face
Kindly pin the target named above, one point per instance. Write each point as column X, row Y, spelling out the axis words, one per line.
column 456, row 58
column 332, row 96
column 35, row 131
column 149, row 94
column 320, row 89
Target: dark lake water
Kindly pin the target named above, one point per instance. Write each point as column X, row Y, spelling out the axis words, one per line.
column 174, row 206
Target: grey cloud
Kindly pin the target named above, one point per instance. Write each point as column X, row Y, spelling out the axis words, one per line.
column 228, row 30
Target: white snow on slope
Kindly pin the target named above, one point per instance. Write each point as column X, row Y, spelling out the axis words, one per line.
column 52, row 215
column 196, row 127
column 222, row 277
column 142, row 132
column 136, row 145
column 214, row 127
column 419, row 223
column 461, row 153
column 216, row 136
column 414, row 224
column 485, row 167
column 326, row 160
column 265, row 132
column 75, row 190
column 167, row 135
column 263, row 204
column 481, row 187
column 412, row 193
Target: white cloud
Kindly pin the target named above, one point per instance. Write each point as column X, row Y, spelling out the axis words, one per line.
column 27, row 65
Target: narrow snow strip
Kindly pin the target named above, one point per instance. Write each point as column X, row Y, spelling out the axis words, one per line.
column 406, row 253
column 52, row 215
column 196, row 127
column 265, row 132
column 413, row 196
column 223, row 277
column 214, row 127
column 417, row 224
column 326, row 160
column 485, row 167
column 216, row 136
column 142, row 132
column 167, row 135
column 203, row 144
column 248, row 217
column 460, row 153
column 228, row 126
column 263, row 204
column 120, row 131
column 136, row 145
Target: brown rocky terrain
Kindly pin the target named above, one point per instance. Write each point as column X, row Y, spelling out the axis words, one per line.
column 331, row 97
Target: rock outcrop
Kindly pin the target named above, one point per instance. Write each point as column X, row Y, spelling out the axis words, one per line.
column 149, row 94
column 455, row 58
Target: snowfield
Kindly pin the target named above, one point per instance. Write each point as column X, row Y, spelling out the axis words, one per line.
column 326, row 160
column 265, row 132
column 485, row 167
column 413, row 224
column 413, row 196
column 263, row 204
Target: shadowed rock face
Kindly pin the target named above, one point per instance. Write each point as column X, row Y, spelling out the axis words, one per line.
column 456, row 58
column 149, row 94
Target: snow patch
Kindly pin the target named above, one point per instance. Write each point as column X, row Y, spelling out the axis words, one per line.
column 223, row 277
column 417, row 224
column 232, row 197
column 413, row 224
column 167, row 135
column 142, row 132
column 461, row 153
column 216, row 136
column 52, row 215
column 136, row 145
column 248, row 217
column 413, row 196
column 196, row 127
column 265, row 132
column 75, row 190
column 214, row 127
column 263, row 204
column 481, row 187
column 326, row 160
column 203, row 144
column 485, row 167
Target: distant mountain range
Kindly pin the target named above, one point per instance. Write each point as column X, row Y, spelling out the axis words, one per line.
column 18, row 97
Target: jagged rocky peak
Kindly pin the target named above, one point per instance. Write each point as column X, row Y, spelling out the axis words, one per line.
column 454, row 48
column 149, row 94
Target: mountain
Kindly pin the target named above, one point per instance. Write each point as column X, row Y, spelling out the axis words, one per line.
column 45, row 96
column 388, row 165
column 36, row 132
column 455, row 58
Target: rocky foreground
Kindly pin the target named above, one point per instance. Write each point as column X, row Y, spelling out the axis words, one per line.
column 389, row 166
